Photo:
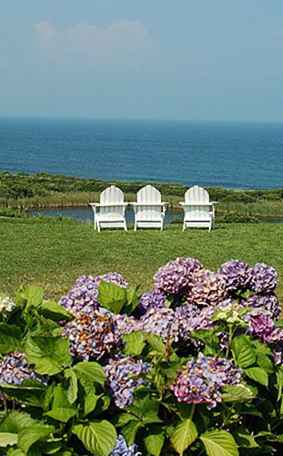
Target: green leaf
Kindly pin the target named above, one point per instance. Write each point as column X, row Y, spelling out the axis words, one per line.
column 156, row 343
column 132, row 300
column 54, row 311
column 236, row 393
column 7, row 438
column 15, row 452
column 154, row 443
column 50, row 355
column 243, row 351
column 111, row 296
column 219, row 443
column 33, row 297
column 184, row 435
column 134, row 343
column 73, row 385
column 90, row 370
column 265, row 362
column 246, row 441
column 10, row 338
column 99, row 437
column 29, row 392
column 90, row 401
column 32, row 434
column 61, row 414
column 257, row 374
column 130, row 431
column 16, row 421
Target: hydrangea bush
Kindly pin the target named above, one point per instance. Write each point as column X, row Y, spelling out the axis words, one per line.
column 192, row 367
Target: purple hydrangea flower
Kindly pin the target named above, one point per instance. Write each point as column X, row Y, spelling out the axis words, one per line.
column 153, row 299
column 237, row 275
column 161, row 322
column 92, row 336
column 262, row 326
column 126, row 324
column 124, row 376
column 208, row 289
column 122, row 449
column 83, row 296
column 263, row 278
column 191, row 318
column 14, row 369
column 267, row 302
column 201, row 380
column 175, row 276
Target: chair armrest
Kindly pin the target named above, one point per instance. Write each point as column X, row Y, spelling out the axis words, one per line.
column 149, row 204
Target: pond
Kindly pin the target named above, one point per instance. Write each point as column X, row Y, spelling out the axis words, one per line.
column 85, row 214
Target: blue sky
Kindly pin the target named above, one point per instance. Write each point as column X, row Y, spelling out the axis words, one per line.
column 188, row 59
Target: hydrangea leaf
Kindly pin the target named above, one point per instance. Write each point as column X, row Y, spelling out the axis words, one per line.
column 184, row 435
column 50, row 355
column 10, row 338
column 235, row 393
column 54, row 311
column 99, row 437
column 90, row 401
column 112, row 297
column 61, row 414
column 134, row 343
column 70, row 375
column 29, row 392
column 7, row 438
column 243, row 351
column 16, row 421
column 130, row 431
column 90, row 370
column 219, row 443
column 32, row 434
column 257, row 374
column 33, row 297
column 154, row 443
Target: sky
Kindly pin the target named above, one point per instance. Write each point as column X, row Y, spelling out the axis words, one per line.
column 150, row 59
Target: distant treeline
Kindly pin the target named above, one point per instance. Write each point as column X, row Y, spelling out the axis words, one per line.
column 22, row 186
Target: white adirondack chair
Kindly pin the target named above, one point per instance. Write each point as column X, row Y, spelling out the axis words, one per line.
column 199, row 212
column 110, row 212
column 149, row 210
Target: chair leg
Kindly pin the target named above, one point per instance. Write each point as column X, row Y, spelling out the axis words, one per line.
column 184, row 226
column 125, row 226
column 98, row 227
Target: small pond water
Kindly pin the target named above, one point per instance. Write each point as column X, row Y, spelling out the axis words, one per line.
column 85, row 214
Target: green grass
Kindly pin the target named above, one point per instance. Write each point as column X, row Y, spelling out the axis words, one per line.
column 53, row 254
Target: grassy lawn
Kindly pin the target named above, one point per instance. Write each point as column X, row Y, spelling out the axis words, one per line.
column 53, row 254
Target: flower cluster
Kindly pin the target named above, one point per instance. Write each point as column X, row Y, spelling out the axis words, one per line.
column 191, row 318
column 237, row 275
column 124, row 376
column 264, row 278
column 208, row 289
column 122, row 449
column 161, row 322
column 201, row 380
column 83, row 296
column 14, row 369
column 175, row 277
column 6, row 305
column 267, row 302
column 92, row 336
column 154, row 299
column 262, row 326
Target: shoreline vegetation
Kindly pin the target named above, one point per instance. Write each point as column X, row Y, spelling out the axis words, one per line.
column 20, row 193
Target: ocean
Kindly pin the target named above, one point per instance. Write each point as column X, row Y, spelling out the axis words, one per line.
column 232, row 155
